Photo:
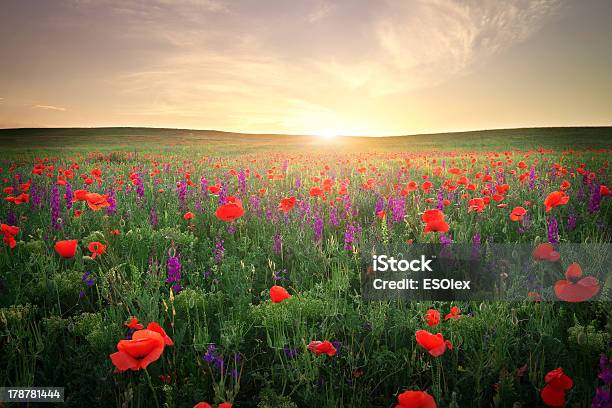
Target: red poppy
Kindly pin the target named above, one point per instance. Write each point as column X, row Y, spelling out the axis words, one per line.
column 322, row 347
column 80, row 195
column 224, row 405
column 77, row 213
column 415, row 399
column 67, row 248
column 554, row 199
column 286, row 204
column 432, row 215
column 557, row 383
column 573, row 288
column 96, row 248
column 436, row 226
column 433, row 343
column 565, row 185
column 545, row 252
column 9, row 232
column 188, row 216
column 214, row 189
column 518, row 213
column 96, row 201
column 230, row 211
column 278, row 294
column 604, row 191
column 432, row 317
column 455, row 313
column 134, row 325
column 477, row 204
column 145, row 347
column 202, row 405
column 382, row 214
column 21, row 198
column 316, row 192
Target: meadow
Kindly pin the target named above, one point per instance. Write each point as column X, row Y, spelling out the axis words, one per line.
column 161, row 267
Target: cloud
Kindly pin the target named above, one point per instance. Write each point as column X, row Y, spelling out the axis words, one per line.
column 49, row 107
column 227, row 69
column 428, row 42
column 322, row 10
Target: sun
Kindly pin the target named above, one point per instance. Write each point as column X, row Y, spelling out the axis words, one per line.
column 326, row 134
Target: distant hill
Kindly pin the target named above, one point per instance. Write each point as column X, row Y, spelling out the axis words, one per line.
column 109, row 138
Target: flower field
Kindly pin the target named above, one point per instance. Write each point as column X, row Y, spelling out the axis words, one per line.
column 222, row 272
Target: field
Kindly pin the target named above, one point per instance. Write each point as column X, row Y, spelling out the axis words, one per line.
column 192, row 229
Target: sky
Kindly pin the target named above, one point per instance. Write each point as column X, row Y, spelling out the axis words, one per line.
column 359, row 67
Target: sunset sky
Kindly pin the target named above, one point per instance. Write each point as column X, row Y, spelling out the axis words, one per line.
column 358, row 67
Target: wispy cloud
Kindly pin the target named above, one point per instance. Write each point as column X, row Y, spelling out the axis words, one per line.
column 49, row 107
column 321, row 11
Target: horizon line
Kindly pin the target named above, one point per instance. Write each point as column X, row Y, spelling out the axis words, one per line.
column 303, row 134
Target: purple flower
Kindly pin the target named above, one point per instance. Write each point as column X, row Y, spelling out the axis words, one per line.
column 69, row 195
column 571, row 222
column 219, row 251
column 290, row 353
column 242, row 186
column 56, row 221
column 318, row 228
column 277, row 244
column 112, row 207
column 153, row 216
column 595, row 201
column 174, row 273
column 553, row 230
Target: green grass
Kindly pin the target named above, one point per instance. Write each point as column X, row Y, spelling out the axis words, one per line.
column 52, row 336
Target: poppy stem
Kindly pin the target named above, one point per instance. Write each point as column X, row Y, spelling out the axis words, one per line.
column 152, row 388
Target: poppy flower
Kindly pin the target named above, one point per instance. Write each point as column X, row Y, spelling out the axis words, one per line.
column 382, row 214
column 145, row 347
column 96, row 201
column 322, row 347
column 476, row 204
column 316, row 192
column 436, row 226
column 96, row 248
column 278, row 294
column 545, row 252
column 224, row 405
column 202, row 405
column 573, row 288
column 77, row 213
column 20, row 199
column 134, row 325
column 9, row 232
column 432, row 215
column 67, row 248
column 80, row 195
column 455, row 313
column 286, row 204
column 230, row 211
column 604, row 191
column 565, row 185
column 518, row 213
column 555, row 199
column 432, row 317
column 188, row 216
column 433, row 343
column 415, row 399
column 557, row 383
